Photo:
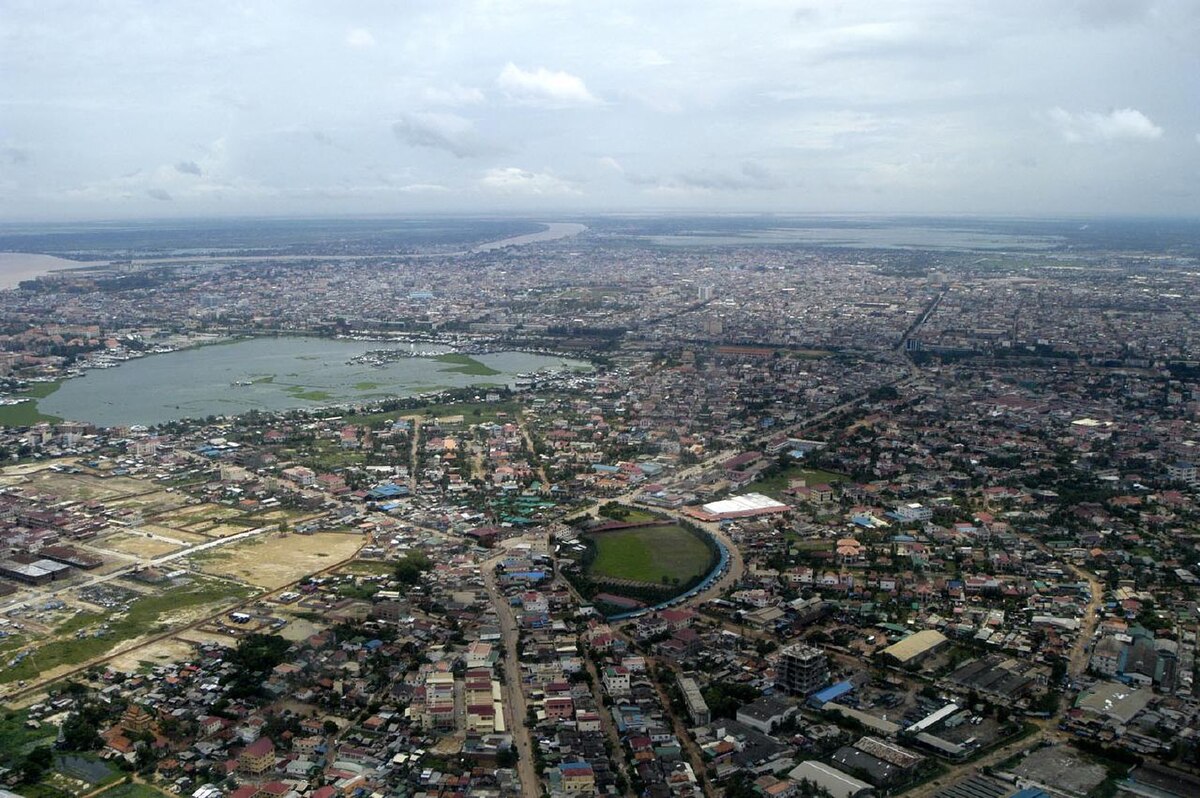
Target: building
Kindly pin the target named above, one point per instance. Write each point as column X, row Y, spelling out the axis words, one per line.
column 912, row 649
column 257, row 758
column 697, row 707
column 1186, row 473
column 835, row 782
column 749, row 505
column 616, row 680
column 136, row 720
column 576, row 777
column 802, row 669
column 766, row 714
column 908, row 513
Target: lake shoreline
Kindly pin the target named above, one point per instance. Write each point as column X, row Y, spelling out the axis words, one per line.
column 227, row 377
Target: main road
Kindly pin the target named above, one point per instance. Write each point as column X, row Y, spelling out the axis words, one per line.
column 514, row 696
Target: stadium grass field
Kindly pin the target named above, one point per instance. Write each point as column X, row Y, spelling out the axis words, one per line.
column 648, row 554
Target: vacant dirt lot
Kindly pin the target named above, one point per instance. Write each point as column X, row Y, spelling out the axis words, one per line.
column 274, row 561
column 82, row 487
column 219, row 530
column 161, row 653
column 138, row 545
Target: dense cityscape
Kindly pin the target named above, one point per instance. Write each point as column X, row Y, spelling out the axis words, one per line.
column 768, row 520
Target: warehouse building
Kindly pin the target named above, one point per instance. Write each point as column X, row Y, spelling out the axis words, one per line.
column 914, row 648
column 835, row 782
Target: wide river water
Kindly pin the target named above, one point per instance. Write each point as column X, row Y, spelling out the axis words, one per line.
column 283, row 374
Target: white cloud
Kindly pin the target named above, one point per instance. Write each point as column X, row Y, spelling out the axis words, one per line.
column 359, row 39
column 453, row 95
column 612, row 163
column 651, row 58
column 450, row 132
column 750, row 176
column 511, row 180
column 423, row 188
column 541, row 86
column 1122, row 124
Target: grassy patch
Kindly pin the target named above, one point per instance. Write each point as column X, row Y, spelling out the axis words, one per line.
column 775, row 485
column 368, row 568
column 143, row 617
column 16, row 740
column 27, row 414
column 367, row 386
column 648, row 554
column 308, row 394
column 465, row 364
column 362, row 592
column 472, row 412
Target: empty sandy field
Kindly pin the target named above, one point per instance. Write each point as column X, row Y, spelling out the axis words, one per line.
column 152, row 504
column 205, row 512
column 81, row 487
column 163, row 531
column 138, row 545
column 209, row 531
column 272, row 561
column 162, row 652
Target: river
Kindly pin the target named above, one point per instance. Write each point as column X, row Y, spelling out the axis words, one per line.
column 271, row 374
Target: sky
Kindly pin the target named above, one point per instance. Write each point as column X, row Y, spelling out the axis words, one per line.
column 116, row 109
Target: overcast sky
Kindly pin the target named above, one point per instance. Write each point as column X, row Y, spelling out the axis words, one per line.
column 123, row 109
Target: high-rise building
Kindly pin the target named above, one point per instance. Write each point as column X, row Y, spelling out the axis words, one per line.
column 704, row 293
column 802, row 669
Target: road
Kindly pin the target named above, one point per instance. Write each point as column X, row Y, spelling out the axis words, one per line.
column 1091, row 619
column 413, row 453
column 533, row 457
column 690, row 749
column 514, row 697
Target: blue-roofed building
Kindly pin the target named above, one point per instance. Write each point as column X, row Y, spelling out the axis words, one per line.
column 387, row 490
column 831, row 693
column 1030, row 792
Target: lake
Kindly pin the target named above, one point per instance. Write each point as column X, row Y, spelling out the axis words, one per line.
column 270, row 374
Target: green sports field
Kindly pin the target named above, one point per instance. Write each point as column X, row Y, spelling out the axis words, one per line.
column 647, row 554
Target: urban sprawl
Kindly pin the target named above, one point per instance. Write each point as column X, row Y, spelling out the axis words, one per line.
column 818, row 522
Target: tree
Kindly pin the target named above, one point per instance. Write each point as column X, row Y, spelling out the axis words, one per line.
column 507, row 757
column 408, row 570
column 80, row 732
column 330, row 727
column 36, row 764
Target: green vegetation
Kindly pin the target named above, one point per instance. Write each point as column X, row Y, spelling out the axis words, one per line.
column 308, row 394
column 367, row 386
column 369, row 568
column 626, row 514
column 408, row 570
column 726, row 699
column 360, row 592
column 255, row 655
column 16, row 740
column 465, row 364
column 26, row 414
column 472, row 412
column 142, row 618
column 650, row 554
column 775, row 484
